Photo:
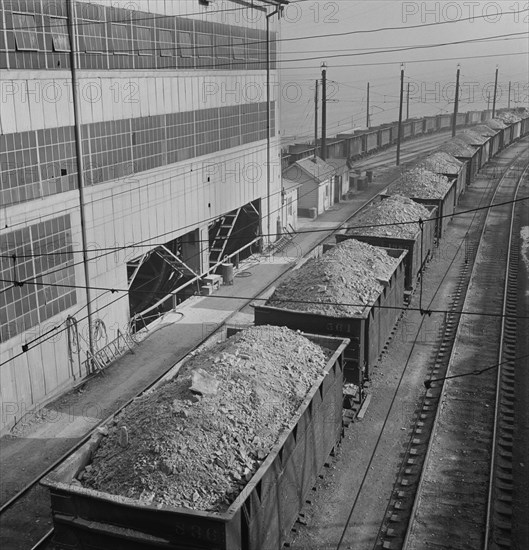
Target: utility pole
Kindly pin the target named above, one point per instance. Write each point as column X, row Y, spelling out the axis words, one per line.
column 268, row 124
column 408, row 102
column 399, row 135
column 495, row 90
column 456, row 102
column 316, row 120
column 323, row 153
column 72, row 34
column 488, row 101
column 509, row 97
column 367, row 114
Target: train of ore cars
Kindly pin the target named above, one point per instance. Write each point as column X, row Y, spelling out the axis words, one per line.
column 222, row 451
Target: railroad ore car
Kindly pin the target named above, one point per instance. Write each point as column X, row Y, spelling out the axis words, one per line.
column 465, row 153
column 265, row 505
column 366, row 283
column 418, row 127
column 427, row 188
column 371, row 141
column 393, row 223
column 449, row 166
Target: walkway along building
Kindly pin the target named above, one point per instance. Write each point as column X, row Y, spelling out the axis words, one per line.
column 134, row 154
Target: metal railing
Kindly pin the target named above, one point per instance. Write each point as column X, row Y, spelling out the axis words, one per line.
column 144, row 314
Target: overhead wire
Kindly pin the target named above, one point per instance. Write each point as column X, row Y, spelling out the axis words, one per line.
column 300, row 232
column 57, row 329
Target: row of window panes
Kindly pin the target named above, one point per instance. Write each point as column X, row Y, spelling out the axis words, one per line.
column 128, row 38
column 110, row 149
column 39, row 252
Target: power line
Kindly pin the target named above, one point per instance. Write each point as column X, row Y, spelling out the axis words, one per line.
column 408, row 62
column 302, row 232
column 347, row 33
column 234, row 63
column 476, row 372
column 285, row 300
column 26, row 346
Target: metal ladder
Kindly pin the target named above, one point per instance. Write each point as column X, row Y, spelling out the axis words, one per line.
column 216, row 251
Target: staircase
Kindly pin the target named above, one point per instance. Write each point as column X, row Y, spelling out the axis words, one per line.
column 175, row 262
column 225, row 229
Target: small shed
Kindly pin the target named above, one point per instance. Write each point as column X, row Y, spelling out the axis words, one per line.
column 315, row 177
column 290, row 203
column 342, row 170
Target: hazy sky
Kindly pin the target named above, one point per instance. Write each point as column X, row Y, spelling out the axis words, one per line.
column 352, row 59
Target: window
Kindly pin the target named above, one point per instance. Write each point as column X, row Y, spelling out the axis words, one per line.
column 239, row 51
column 94, row 38
column 224, row 47
column 185, row 43
column 59, row 33
column 205, row 45
column 120, row 39
column 25, row 32
column 144, row 41
column 167, row 45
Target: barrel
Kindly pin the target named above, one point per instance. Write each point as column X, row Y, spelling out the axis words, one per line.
column 227, row 273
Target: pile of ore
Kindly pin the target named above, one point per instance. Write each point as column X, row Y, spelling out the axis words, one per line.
column 421, row 183
column 441, row 163
column 495, row 124
column 341, row 283
column 509, row 118
column 484, row 130
column 472, row 138
column 197, row 440
column 396, row 216
column 457, row 148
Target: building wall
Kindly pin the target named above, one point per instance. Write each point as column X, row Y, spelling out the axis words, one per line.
column 169, row 143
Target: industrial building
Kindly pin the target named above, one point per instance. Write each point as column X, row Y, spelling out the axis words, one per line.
column 138, row 150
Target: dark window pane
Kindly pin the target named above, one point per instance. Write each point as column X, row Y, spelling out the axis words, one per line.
column 25, row 32
column 59, row 32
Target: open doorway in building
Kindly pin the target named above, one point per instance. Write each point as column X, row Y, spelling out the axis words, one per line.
column 233, row 232
column 155, row 275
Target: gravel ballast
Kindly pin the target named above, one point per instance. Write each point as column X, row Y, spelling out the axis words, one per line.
column 339, row 284
column 197, row 440
column 392, row 210
column 420, row 183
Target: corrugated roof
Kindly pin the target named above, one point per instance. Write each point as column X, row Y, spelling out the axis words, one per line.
column 340, row 165
column 289, row 185
column 316, row 168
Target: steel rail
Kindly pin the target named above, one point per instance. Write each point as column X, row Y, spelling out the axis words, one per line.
column 490, row 500
column 443, row 389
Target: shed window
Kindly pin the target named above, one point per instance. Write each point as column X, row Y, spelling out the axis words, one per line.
column 25, row 32
column 59, row 33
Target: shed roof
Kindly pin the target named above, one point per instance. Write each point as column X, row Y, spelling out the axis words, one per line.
column 316, row 168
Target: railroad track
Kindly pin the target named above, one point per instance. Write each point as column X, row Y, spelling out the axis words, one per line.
column 393, row 523
column 463, row 498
